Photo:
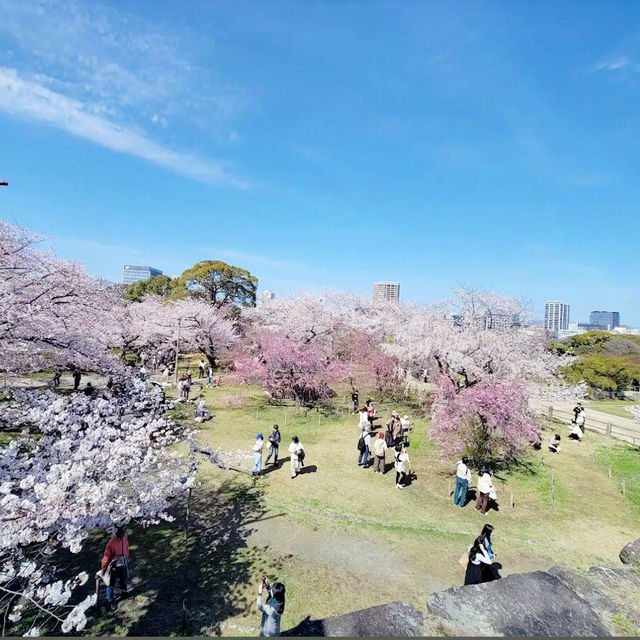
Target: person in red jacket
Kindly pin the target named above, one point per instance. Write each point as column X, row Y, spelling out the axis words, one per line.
column 116, row 555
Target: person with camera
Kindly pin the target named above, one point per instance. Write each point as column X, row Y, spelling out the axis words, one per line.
column 296, row 451
column 273, row 609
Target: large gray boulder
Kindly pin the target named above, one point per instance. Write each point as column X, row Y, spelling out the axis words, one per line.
column 630, row 553
column 395, row 619
column 527, row 604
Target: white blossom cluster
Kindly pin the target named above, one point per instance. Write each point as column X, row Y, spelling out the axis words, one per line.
column 80, row 463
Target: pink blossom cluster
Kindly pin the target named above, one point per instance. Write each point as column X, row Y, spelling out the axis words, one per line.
column 287, row 368
column 489, row 422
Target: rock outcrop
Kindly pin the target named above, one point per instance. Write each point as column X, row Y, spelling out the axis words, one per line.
column 395, row 619
column 526, row 604
column 603, row 601
column 631, row 553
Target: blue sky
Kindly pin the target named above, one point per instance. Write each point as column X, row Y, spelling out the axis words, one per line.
column 333, row 143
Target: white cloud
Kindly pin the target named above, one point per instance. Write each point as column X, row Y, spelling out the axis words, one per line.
column 121, row 64
column 613, row 65
column 33, row 101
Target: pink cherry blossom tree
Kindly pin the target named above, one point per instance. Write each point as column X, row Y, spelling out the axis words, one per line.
column 490, row 422
column 289, row 369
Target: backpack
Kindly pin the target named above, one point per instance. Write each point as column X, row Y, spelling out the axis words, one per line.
column 361, row 445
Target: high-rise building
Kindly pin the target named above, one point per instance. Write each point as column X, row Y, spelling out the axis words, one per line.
column 556, row 316
column 386, row 291
column 606, row 320
column 135, row 273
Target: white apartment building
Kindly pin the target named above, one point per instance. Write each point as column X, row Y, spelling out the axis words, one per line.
column 556, row 316
column 386, row 291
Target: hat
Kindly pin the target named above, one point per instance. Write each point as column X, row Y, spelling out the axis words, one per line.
column 381, row 434
column 259, row 436
column 406, row 417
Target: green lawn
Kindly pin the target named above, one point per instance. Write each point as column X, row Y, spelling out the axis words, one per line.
column 614, row 407
column 342, row 538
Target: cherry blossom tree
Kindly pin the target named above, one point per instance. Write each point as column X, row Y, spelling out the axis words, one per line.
column 79, row 464
column 289, row 369
column 490, row 422
column 51, row 313
column 209, row 330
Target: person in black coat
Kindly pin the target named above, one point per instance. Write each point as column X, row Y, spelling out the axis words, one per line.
column 477, row 557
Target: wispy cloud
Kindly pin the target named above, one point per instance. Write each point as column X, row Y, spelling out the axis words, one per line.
column 120, row 63
column 30, row 100
column 233, row 254
column 613, row 64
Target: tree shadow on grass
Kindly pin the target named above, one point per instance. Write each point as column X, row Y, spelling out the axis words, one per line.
column 190, row 586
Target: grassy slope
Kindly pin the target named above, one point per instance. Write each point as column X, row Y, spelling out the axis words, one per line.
column 343, row 538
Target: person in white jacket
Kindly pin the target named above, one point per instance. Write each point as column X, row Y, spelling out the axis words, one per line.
column 402, row 466
column 296, row 451
column 485, row 488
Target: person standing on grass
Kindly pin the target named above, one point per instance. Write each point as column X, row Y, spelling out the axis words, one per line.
column 390, row 428
column 274, row 444
column 273, row 609
column 379, row 452
column 355, row 398
column 580, row 420
column 363, row 420
column 257, row 454
column 201, row 367
column 402, row 465
column 397, row 429
column 187, row 386
column 463, row 480
column 577, row 410
column 371, row 412
column 296, row 453
column 115, row 561
column 364, row 447
column 485, row 487
column 210, row 376
column 77, row 376
column 56, row 378
column 477, row 556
